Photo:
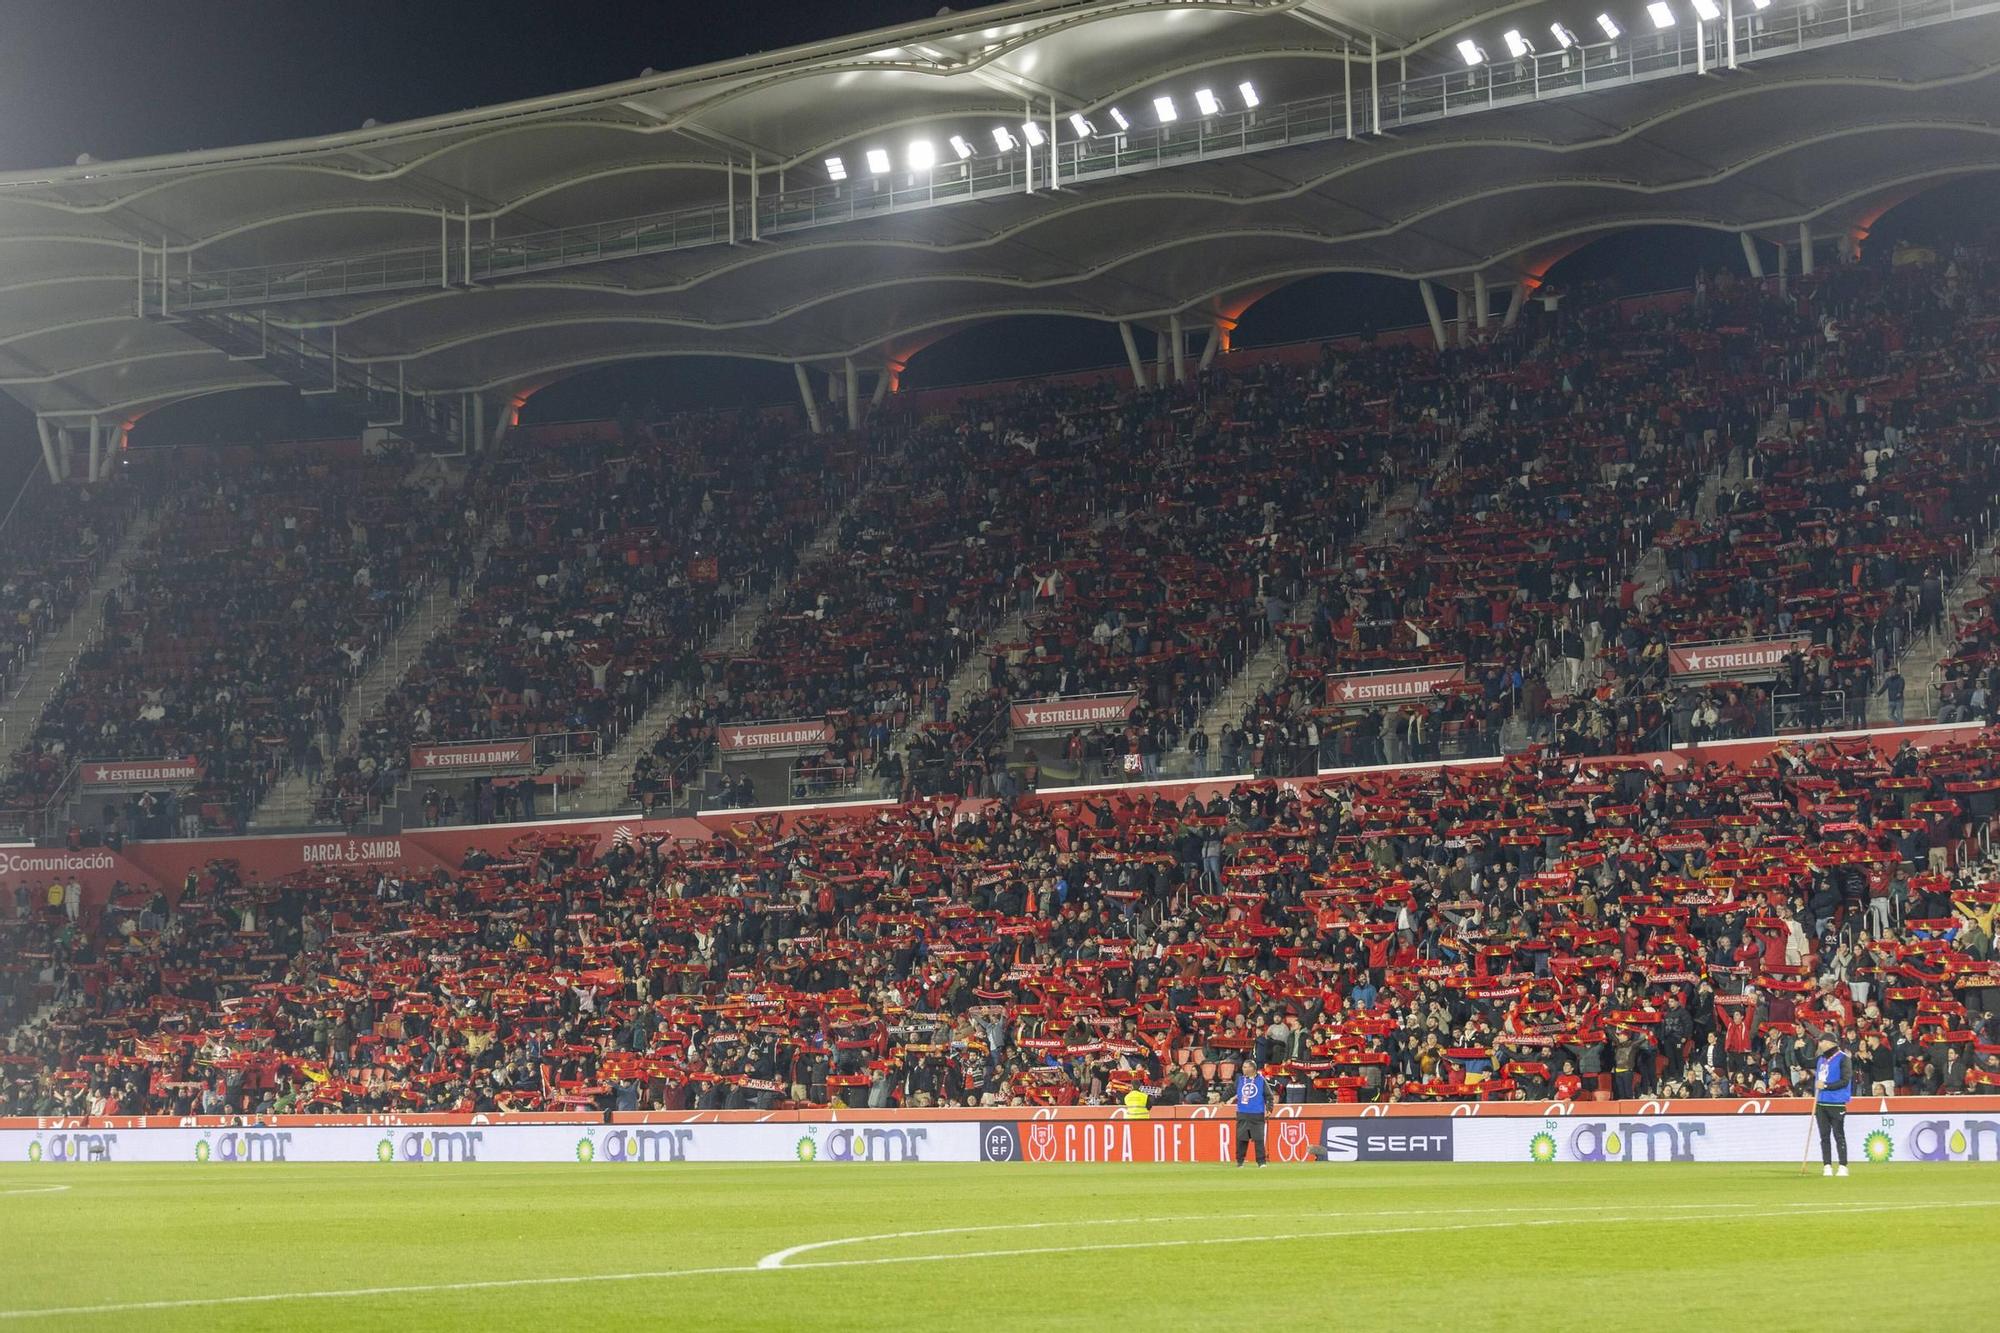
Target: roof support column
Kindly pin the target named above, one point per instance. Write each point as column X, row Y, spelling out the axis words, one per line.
column 1347, row 87
column 48, row 449
column 444, row 253
column 853, row 395
column 881, row 388
column 753, row 196
column 1517, row 299
column 729, row 196
column 1479, row 300
column 1028, row 149
column 806, row 397
column 1180, row 349
column 1429, row 294
column 66, row 455
column 506, row 422
column 96, row 449
column 476, row 442
column 1750, row 255
column 1374, row 87
column 466, row 258
column 1160, row 365
column 1055, row 158
column 1132, row 355
column 1209, row 348
column 1462, row 324
column 1729, row 31
column 1784, row 270
column 1805, row 249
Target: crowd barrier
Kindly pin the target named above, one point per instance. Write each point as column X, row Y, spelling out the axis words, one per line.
column 1879, row 1131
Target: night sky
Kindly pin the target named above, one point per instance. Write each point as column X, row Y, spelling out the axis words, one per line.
column 126, row 78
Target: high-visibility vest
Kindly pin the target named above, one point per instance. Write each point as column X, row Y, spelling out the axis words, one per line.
column 1137, row 1106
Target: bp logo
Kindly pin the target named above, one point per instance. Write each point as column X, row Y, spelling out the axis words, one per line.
column 35, row 1150
column 586, row 1151
column 807, row 1148
column 385, row 1151
column 1878, row 1147
column 201, row 1150
column 1542, row 1148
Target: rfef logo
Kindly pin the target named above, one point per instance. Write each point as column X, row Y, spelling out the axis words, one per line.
column 999, row 1143
column 434, row 1146
column 1420, row 1139
column 1633, row 1140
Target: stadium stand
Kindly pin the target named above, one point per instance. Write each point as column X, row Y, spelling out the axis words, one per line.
column 1544, row 928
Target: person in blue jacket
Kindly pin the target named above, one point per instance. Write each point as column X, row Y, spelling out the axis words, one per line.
column 1251, row 1094
column 1833, row 1077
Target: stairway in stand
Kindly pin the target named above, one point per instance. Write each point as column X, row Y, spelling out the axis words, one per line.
column 57, row 656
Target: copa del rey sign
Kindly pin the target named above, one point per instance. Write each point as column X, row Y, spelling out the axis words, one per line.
column 1076, row 711
column 1390, row 687
column 1714, row 659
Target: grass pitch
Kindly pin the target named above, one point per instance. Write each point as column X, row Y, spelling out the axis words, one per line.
column 996, row 1247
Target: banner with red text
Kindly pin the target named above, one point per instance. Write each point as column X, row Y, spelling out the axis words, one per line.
column 1061, row 714
column 1760, row 657
column 753, row 736
column 1368, row 688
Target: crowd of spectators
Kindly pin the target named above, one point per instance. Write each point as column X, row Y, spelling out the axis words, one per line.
column 1552, row 927
column 265, row 588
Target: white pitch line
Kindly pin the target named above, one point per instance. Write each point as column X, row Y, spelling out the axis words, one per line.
column 37, row 1189
column 503, row 1284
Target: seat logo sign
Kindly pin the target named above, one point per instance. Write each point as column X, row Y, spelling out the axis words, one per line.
column 73, row 1148
column 242, row 1147
column 1418, row 1139
column 1000, row 1143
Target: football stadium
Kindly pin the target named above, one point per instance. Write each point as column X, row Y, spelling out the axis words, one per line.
column 1075, row 664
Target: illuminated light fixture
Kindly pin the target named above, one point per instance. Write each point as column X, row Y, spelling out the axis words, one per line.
column 1118, row 119
column 836, row 170
column 1204, row 99
column 1084, row 129
column 1761, row 4
column 1033, row 132
column 1707, row 10
column 1564, row 37
column 1249, row 94
column 1661, row 13
column 1517, row 45
column 1163, row 107
column 923, row 155
column 1004, row 141
column 961, row 147
column 878, row 161
column 1610, row 26
column 1468, row 51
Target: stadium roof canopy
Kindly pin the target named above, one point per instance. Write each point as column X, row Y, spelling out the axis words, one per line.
column 474, row 257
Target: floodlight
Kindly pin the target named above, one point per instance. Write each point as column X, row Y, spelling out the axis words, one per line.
column 923, row 155
column 1002, row 140
column 1249, row 94
column 1084, row 129
column 1610, row 26
column 836, row 170
column 1033, row 132
column 1661, row 13
column 1469, row 52
column 1118, row 119
column 1564, row 37
column 878, row 161
column 961, row 147
column 1163, row 107
column 1517, row 45
column 1204, row 98
column 1707, row 10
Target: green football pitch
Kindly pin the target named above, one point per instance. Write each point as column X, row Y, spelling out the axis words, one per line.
column 996, row 1247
